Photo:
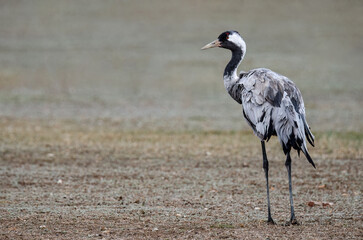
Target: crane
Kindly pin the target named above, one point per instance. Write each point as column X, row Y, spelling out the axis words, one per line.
column 271, row 104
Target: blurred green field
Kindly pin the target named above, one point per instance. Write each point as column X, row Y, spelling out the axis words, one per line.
column 139, row 62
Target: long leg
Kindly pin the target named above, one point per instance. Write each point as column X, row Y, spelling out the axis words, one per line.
column 288, row 167
column 265, row 167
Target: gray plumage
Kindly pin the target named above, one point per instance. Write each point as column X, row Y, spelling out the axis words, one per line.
column 271, row 104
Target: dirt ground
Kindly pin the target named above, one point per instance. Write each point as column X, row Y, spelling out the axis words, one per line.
column 70, row 180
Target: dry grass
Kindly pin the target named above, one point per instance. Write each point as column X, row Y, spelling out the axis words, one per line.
column 106, row 135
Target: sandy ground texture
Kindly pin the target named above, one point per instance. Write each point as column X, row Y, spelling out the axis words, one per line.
column 63, row 180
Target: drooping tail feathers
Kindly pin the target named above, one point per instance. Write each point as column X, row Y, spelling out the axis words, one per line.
column 308, row 134
column 306, row 153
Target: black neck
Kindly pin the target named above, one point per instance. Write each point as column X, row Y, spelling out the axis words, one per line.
column 237, row 56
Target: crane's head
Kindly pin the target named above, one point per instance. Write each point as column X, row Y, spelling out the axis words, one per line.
column 230, row 40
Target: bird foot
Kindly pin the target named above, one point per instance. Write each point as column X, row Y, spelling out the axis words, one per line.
column 270, row 221
column 293, row 221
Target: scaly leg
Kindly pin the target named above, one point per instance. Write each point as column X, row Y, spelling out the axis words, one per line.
column 265, row 167
column 288, row 167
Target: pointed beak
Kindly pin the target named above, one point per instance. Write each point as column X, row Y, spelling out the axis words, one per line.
column 215, row 43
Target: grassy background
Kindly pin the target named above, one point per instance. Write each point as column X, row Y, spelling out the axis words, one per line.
column 140, row 62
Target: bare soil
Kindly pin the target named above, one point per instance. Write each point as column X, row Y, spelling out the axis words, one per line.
column 67, row 180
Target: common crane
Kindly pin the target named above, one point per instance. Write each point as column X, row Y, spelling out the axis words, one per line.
column 271, row 104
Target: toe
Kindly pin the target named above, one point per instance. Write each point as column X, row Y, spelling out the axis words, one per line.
column 271, row 221
column 294, row 222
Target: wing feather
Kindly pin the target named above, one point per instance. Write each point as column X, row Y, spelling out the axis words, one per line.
column 273, row 105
